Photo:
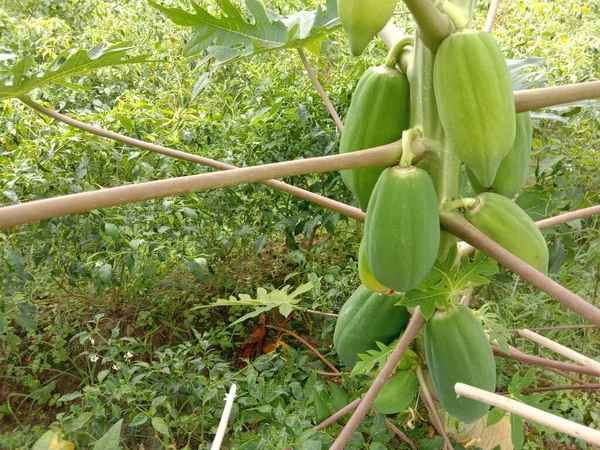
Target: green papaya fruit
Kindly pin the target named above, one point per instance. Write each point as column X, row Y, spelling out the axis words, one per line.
column 402, row 230
column 458, row 351
column 378, row 113
column 365, row 274
column 397, row 393
column 366, row 318
column 513, row 170
column 505, row 223
column 475, row 101
column 363, row 19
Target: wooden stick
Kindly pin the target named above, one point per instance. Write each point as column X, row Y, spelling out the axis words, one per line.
column 567, row 217
column 531, row 99
column 558, row 327
column 338, row 415
column 538, row 361
column 414, row 325
column 320, row 90
column 491, row 17
column 342, row 208
column 310, row 347
column 557, row 423
column 561, row 350
column 433, row 413
column 462, row 228
column 567, row 387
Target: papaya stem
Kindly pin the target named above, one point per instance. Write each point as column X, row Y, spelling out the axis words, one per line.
column 393, row 56
column 434, row 26
column 433, row 413
column 459, row 203
column 454, row 13
column 408, row 136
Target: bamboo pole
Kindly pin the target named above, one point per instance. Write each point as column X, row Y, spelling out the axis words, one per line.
column 561, row 350
column 557, row 423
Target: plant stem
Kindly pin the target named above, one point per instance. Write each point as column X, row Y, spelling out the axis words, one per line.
column 415, row 324
column 491, row 17
column 460, row 227
column 433, row 413
column 567, row 217
column 543, row 362
column 561, row 350
column 333, row 205
column 459, row 203
column 574, row 429
column 320, row 90
column 456, row 16
column 434, row 26
column 531, row 99
column 104, row 198
column 310, row 347
column 393, row 56
column 559, row 327
column 566, row 387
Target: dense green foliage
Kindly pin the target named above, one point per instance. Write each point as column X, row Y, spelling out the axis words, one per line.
column 96, row 318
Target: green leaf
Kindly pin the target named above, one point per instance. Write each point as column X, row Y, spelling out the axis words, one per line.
column 67, row 64
column 139, row 419
column 111, row 439
column 525, row 382
column 379, row 357
column 494, row 416
column 425, row 299
column 516, row 431
column 80, row 421
column 230, row 37
column 51, row 440
column 26, row 322
column 490, row 321
column 339, row 398
column 159, row 424
column 322, row 411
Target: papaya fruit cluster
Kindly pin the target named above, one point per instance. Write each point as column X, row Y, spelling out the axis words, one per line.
column 401, row 239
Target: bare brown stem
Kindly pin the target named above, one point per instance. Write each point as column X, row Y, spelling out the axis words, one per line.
column 415, row 324
column 531, row 99
column 338, row 415
column 334, row 205
column 315, row 81
column 310, row 347
column 460, row 227
column 433, row 413
column 567, row 387
column 104, row 198
column 538, row 361
column 403, row 436
column 491, row 17
column 318, row 313
column 559, row 327
column 567, row 217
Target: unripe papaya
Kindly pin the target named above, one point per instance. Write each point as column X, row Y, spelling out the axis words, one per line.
column 397, row 393
column 458, row 351
column 365, row 318
column 475, row 101
column 402, row 230
column 378, row 113
column 363, row 19
column 505, row 223
column 365, row 274
column 513, row 170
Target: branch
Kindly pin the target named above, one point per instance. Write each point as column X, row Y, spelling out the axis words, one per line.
column 460, row 227
column 334, row 205
column 566, row 387
column 531, row 99
column 337, row 415
column 491, row 17
column 403, row 436
column 529, row 412
column 310, row 347
column 434, row 26
column 320, row 90
column 559, row 327
column 562, row 350
column 567, row 217
column 433, row 413
column 543, row 362
column 87, row 201
column 416, row 323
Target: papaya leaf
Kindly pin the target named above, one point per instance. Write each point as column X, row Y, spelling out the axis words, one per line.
column 21, row 79
column 378, row 358
column 425, row 299
column 231, row 37
column 265, row 301
column 489, row 321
